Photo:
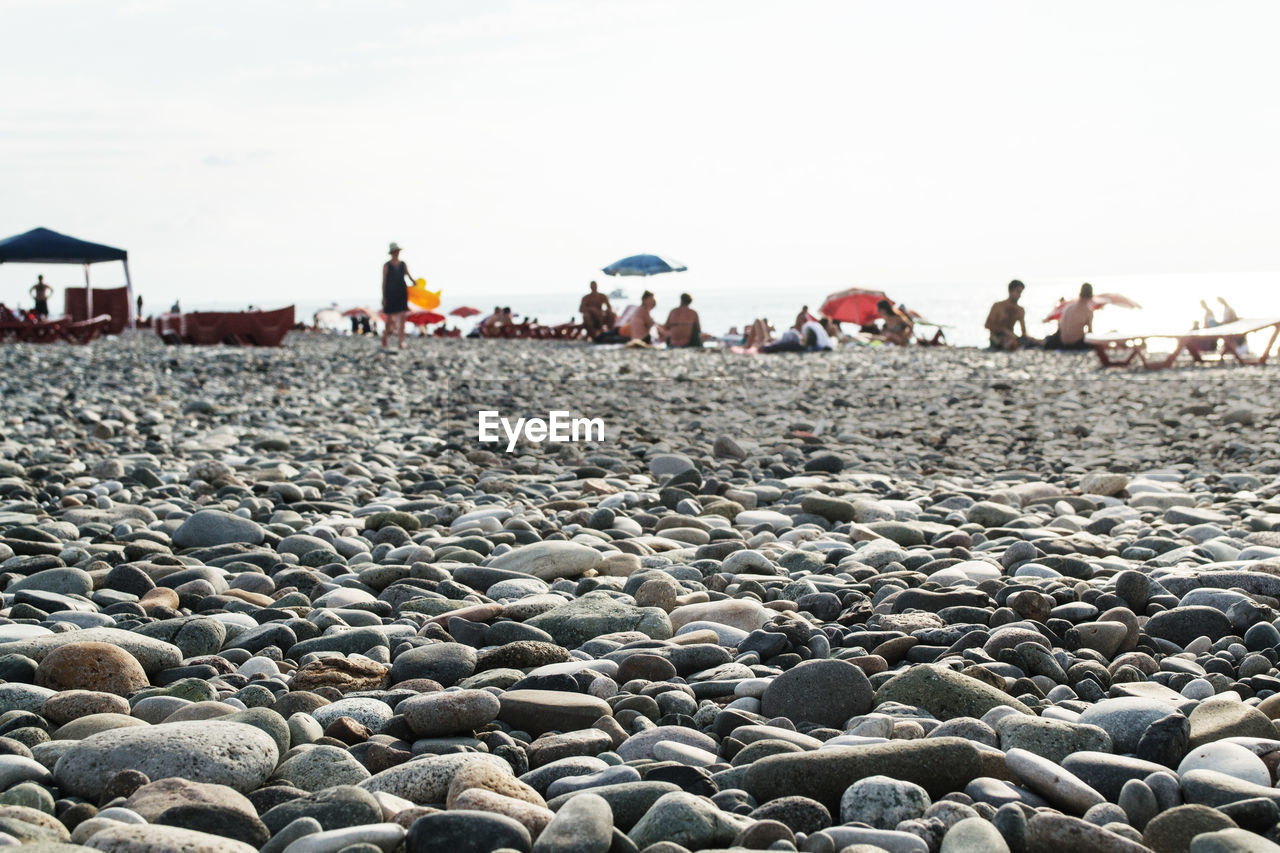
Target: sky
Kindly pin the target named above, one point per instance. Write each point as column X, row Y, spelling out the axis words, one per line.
column 266, row 152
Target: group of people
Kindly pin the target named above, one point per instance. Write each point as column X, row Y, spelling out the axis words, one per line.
column 1007, row 322
column 635, row 325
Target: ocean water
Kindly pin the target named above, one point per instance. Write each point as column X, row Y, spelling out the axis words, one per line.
column 1170, row 302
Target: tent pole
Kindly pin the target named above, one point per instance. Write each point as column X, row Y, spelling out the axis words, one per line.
column 88, row 295
column 128, row 289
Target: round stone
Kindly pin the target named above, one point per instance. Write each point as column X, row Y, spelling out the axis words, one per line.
column 99, row 667
column 827, row 692
column 882, row 802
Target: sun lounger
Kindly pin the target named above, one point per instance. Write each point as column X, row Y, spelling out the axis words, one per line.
column 56, row 329
column 1201, row 345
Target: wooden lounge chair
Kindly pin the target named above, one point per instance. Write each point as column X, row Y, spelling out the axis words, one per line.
column 1201, row 345
column 54, row 329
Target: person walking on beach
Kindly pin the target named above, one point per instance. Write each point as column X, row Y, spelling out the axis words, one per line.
column 683, row 327
column 597, row 313
column 1004, row 316
column 395, row 295
column 1076, row 320
column 40, row 293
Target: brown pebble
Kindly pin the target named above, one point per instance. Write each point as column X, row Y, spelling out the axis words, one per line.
column 348, row 730
column 123, row 784
column 91, row 666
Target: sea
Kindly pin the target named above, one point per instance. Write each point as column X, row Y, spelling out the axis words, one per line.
column 1170, row 302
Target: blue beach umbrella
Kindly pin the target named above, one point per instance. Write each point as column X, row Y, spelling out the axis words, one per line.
column 643, row 265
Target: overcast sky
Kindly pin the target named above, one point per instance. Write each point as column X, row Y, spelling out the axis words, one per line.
column 266, row 152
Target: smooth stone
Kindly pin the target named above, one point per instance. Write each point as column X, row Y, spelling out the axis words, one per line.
column 939, row 765
column 882, row 802
column 1050, row 781
column 945, row 693
column 233, row 754
column 1172, row 831
column 549, row 560
column 450, row 712
column 465, row 831
column 539, row 711
column 690, row 821
column 574, row 623
column 1226, row 716
column 1231, row 841
column 1229, row 759
column 584, row 824
column 320, row 767
column 973, row 835
column 1126, row 719
column 1051, row 739
column 153, row 838
column 154, row 655
column 827, row 692
column 427, row 780
column 210, row 527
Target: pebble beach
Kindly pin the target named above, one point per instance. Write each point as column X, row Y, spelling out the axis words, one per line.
column 905, row 600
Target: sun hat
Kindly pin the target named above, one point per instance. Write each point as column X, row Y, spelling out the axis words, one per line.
column 394, row 247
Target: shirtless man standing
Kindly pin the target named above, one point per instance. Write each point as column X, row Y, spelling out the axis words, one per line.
column 40, row 293
column 1006, row 314
column 682, row 325
column 1076, row 320
column 597, row 313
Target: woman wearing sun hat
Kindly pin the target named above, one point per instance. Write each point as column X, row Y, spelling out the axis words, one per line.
column 395, row 294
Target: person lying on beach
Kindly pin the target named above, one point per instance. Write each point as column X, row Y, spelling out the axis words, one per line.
column 597, row 313
column 683, row 328
column 1075, row 322
column 1004, row 316
column 812, row 336
column 896, row 326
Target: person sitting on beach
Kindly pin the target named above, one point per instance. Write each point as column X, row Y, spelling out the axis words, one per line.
column 1004, row 316
column 395, row 295
column 803, row 317
column 1209, row 320
column 1229, row 314
column 634, row 324
column 896, row 326
column 759, row 333
column 494, row 326
column 683, row 327
column 597, row 313
column 1075, row 322
column 40, row 292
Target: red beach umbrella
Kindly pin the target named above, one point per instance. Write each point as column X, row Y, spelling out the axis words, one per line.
column 465, row 311
column 856, row 305
column 358, row 312
column 424, row 318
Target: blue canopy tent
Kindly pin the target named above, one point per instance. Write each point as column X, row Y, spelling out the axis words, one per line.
column 42, row 246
